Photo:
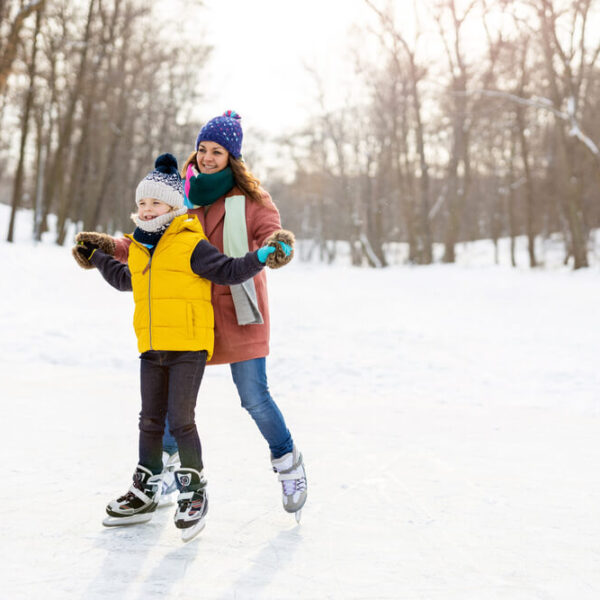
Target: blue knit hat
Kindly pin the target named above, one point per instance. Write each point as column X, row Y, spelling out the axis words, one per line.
column 224, row 130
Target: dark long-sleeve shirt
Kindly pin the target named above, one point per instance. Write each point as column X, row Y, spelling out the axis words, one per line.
column 206, row 261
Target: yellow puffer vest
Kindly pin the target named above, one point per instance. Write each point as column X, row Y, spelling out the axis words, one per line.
column 173, row 309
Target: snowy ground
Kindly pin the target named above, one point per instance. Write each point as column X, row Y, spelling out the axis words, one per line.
column 449, row 417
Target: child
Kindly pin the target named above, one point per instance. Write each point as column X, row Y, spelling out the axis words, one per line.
column 169, row 267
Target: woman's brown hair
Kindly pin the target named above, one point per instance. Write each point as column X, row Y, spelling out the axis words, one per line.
column 242, row 176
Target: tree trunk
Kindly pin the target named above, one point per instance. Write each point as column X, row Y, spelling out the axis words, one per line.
column 18, row 183
column 529, row 194
column 510, row 200
column 425, row 254
column 10, row 48
column 59, row 163
column 571, row 198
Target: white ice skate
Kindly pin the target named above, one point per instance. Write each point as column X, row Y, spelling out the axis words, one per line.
column 138, row 504
column 290, row 471
column 168, row 496
column 192, row 503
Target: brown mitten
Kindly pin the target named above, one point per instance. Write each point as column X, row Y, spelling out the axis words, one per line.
column 102, row 240
column 278, row 258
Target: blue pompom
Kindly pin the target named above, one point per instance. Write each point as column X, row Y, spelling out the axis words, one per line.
column 166, row 163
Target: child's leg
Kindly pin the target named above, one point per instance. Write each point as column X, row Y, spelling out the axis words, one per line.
column 185, row 375
column 154, row 384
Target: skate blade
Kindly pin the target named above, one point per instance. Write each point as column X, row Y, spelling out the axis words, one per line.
column 191, row 532
column 298, row 515
column 123, row 521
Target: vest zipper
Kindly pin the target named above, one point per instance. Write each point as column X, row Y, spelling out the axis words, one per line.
column 150, row 301
column 147, row 269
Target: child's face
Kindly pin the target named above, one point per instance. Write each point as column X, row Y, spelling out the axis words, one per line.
column 149, row 208
column 211, row 157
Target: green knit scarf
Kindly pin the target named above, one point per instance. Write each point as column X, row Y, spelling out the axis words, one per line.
column 206, row 188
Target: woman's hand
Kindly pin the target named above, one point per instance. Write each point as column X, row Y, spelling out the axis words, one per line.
column 283, row 243
column 287, row 250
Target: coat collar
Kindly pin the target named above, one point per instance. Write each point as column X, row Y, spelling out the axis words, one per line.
column 214, row 216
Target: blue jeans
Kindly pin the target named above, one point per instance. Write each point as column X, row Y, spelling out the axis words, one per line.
column 250, row 378
column 169, row 382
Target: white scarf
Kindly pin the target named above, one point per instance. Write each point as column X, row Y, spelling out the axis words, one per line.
column 235, row 243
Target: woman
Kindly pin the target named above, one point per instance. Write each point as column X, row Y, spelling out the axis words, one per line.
column 238, row 216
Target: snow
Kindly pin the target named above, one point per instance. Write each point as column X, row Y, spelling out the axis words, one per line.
column 448, row 416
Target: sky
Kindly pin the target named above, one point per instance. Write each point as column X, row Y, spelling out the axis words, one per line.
column 261, row 50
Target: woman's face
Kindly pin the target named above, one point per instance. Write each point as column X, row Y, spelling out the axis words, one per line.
column 211, row 157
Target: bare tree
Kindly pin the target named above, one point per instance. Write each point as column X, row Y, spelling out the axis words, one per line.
column 60, row 158
column 13, row 16
column 569, row 63
column 18, row 182
column 450, row 24
column 104, row 98
column 420, row 243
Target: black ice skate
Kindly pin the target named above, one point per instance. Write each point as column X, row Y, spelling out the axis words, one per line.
column 139, row 503
column 192, row 503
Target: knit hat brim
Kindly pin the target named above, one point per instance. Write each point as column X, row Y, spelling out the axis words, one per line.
column 148, row 188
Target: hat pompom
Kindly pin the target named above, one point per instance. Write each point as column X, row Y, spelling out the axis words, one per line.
column 166, row 163
column 232, row 114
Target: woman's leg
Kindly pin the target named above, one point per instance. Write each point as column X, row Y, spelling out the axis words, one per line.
column 250, row 378
column 169, row 442
column 185, row 375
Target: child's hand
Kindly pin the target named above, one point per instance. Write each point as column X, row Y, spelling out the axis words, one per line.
column 94, row 239
column 86, row 249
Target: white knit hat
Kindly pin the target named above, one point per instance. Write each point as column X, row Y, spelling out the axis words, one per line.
column 163, row 183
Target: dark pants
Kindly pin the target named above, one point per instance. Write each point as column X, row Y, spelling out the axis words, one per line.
column 169, row 384
column 250, row 377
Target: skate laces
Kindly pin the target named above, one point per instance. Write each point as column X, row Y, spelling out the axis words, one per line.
column 291, row 486
column 294, row 481
column 148, row 489
column 128, row 497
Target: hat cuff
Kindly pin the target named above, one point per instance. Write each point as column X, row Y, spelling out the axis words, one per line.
column 159, row 191
column 217, row 140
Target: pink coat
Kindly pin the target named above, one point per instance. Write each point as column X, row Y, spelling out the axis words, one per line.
column 233, row 342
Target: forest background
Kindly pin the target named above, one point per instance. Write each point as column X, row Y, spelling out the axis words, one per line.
column 454, row 121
